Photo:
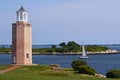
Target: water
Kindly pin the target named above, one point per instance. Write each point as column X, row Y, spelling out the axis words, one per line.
column 33, row 46
column 114, row 47
column 102, row 63
column 5, row 59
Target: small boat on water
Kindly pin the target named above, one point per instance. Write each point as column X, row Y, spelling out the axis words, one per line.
column 84, row 55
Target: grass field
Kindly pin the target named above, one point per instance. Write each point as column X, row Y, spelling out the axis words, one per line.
column 45, row 73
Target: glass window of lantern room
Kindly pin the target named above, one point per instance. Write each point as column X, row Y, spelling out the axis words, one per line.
column 24, row 16
column 21, row 16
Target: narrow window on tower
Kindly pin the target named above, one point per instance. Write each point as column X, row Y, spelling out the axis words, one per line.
column 27, row 55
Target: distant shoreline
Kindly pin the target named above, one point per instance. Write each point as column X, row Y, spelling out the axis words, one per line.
column 79, row 53
column 72, row 53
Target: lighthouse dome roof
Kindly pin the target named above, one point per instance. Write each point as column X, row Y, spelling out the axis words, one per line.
column 21, row 9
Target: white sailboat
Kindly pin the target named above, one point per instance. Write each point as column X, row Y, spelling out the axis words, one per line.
column 83, row 52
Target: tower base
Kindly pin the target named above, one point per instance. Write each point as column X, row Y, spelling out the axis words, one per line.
column 24, row 64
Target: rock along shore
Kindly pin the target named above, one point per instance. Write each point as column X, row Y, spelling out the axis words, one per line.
column 72, row 53
column 77, row 53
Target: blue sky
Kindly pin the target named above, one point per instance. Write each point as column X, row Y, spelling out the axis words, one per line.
column 55, row 21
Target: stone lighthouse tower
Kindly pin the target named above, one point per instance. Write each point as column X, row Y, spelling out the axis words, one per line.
column 21, row 39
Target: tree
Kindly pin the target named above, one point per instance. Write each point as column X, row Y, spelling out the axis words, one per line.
column 72, row 43
column 63, row 44
column 54, row 46
column 73, row 46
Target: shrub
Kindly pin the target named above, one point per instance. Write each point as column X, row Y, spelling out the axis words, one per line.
column 113, row 74
column 75, row 64
column 86, row 70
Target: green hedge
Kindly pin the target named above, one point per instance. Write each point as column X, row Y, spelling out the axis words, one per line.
column 86, row 70
column 76, row 63
column 113, row 74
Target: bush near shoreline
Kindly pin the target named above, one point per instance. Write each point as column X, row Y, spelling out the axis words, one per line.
column 82, row 67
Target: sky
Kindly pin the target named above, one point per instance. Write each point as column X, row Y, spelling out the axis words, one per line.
column 56, row 21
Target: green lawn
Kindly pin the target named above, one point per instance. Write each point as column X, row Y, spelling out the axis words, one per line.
column 3, row 67
column 45, row 73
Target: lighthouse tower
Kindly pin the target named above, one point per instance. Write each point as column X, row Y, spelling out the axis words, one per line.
column 21, row 39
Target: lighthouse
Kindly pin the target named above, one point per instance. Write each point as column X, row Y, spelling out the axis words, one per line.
column 21, row 39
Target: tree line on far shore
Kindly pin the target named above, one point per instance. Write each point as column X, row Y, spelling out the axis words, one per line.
column 71, row 46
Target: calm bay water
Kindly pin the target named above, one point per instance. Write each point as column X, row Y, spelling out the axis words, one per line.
column 102, row 63
column 117, row 47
